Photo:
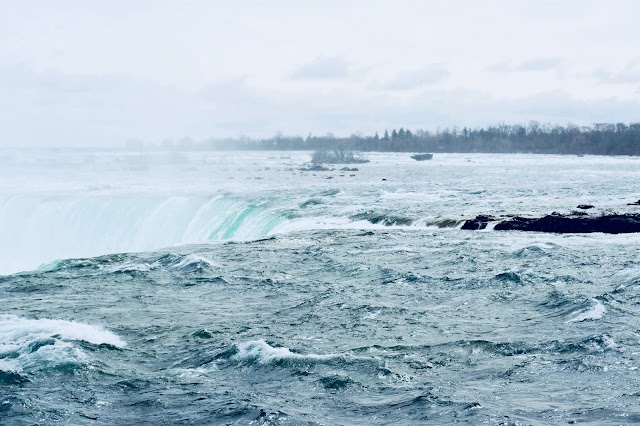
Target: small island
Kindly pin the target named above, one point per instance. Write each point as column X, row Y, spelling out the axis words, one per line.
column 339, row 155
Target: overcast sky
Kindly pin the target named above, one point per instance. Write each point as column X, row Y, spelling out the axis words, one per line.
column 88, row 73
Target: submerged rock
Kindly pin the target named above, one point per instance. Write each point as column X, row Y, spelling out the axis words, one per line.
column 585, row 206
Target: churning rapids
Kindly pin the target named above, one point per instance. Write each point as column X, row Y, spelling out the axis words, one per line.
column 234, row 288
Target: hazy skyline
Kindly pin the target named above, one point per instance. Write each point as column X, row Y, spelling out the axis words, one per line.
column 98, row 73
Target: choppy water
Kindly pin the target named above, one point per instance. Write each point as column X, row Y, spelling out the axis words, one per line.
column 304, row 300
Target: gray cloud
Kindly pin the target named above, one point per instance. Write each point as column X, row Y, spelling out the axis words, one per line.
column 410, row 80
column 85, row 109
column 502, row 66
column 107, row 110
column 530, row 65
column 560, row 107
column 231, row 92
column 629, row 74
column 434, row 108
column 322, row 68
column 539, row 64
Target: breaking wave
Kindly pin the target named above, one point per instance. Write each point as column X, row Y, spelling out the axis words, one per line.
column 260, row 352
column 595, row 312
column 31, row 344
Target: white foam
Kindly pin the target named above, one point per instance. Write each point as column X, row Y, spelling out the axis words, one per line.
column 394, row 249
column 193, row 259
column 131, row 267
column 16, row 332
column 319, row 222
column 596, row 312
column 609, row 342
column 264, row 353
column 32, row 344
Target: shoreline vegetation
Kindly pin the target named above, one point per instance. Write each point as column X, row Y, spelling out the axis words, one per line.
column 536, row 138
column 339, row 155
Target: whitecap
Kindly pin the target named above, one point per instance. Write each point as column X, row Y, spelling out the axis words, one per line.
column 15, row 330
column 193, row 260
column 263, row 353
column 131, row 267
column 596, row 312
column 27, row 344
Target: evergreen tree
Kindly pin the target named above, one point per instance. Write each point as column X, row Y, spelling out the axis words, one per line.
column 386, row 135
column 394, row 134
column 401, row 133
column 376, row 137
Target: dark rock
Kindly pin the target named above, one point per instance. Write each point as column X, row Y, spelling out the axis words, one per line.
column 474, row 225
column 609, row 224
column 637, row 203
column 585, row 206
column 480, row 222
column 314, row 168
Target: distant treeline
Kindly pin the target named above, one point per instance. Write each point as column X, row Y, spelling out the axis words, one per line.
column 601, row 138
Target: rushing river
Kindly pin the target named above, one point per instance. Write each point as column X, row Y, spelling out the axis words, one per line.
column 234, row 288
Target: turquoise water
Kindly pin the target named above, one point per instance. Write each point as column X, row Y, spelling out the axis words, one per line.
column 219, row 298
